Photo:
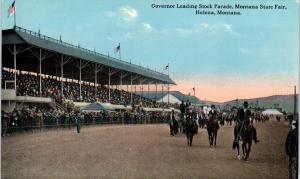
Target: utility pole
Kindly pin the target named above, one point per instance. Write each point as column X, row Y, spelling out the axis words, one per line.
column 295, row 103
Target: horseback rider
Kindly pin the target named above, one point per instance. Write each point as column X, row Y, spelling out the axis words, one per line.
column 244, row 118
column 213, row 113
column 182, row 109
column 187, row 105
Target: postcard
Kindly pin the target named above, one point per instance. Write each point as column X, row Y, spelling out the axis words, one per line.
column 149, row 89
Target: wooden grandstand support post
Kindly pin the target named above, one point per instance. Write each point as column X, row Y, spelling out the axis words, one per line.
column 40, row 61
column 109, row 84
column 82, row 65
column 62, row 74
column 15, row 67
column 131, row 89
column 131, row 85
column 96, row 80
column 98, row 68
column 14, row 52
column 63, row 61
column 80, row 79
column 121, row 83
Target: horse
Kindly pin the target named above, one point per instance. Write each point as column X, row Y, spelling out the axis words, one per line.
column 229, row 118
column 246, row 134
column 190, row 130
column 212, row 130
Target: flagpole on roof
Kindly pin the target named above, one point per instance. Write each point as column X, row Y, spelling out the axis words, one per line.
column 12, row 11
column 168, row 84
column 120, row 52
column 15, row 21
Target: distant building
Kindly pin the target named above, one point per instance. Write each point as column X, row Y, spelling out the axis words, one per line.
column 174, row 97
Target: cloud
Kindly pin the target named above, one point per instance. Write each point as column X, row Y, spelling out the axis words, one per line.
column 128, row 13
column 227, row 27
column 128, row 35
column 205, row 27
column 141, row 30
column 147, row 27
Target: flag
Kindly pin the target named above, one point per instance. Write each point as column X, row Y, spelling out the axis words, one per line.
column 166, row 67
column 118, row 48
column 11, row 9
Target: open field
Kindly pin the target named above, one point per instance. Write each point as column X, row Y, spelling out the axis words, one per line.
column 141, row 151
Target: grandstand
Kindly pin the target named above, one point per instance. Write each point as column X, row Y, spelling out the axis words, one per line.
column 46, row 82
column 42, row 57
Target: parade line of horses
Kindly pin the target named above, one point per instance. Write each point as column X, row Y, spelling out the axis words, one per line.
column 188, row 122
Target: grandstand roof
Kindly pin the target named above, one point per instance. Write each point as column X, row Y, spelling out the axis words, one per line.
column 20, row 35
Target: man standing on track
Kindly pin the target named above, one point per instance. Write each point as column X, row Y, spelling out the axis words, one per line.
column 291, row 149
column 78, row 121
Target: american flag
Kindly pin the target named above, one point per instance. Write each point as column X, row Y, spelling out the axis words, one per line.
column 11, row 9
column 167, row 66
column 118, row 48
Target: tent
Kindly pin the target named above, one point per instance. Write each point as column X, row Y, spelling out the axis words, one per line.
column 97, row 107
column 271, row 112
column 161, row 110
column 94, row 107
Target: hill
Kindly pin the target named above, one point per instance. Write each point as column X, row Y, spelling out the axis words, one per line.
column 285, row 102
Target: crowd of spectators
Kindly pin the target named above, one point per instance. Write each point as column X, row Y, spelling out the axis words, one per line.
column 28, row 84
column 39, row 117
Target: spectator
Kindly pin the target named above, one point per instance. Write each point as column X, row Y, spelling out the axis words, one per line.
column 291, row 148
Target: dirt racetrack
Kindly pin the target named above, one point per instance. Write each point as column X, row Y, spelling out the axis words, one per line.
column 141, row 151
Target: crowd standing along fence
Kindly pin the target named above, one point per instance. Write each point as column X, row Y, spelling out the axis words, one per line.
column 17, row 124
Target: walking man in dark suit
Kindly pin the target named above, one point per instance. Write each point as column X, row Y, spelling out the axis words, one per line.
column 78, row 121
column 291, row 149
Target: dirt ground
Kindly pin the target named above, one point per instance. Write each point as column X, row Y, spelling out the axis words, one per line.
column 141, row 151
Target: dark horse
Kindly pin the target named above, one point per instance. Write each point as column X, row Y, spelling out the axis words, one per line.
column 244, row 132
column 190, row 130
column 212, row 130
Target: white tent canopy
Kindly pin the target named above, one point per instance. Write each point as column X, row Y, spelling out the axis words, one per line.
column 271, row 112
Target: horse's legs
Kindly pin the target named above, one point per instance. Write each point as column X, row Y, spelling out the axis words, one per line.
column 209, row 138
column 188, row 141
column 238, row 149
column 191, row 139
column 248, row 150
column 216, row 134
column 244, row 149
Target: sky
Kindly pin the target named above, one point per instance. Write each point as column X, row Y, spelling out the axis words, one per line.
column 224, row 57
